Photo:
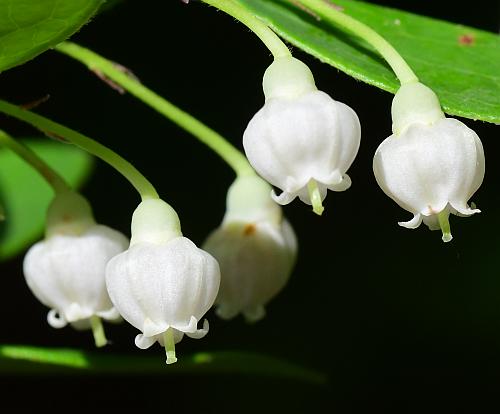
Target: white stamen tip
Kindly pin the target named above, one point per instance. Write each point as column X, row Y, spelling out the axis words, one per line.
column 447, row 237
column 171, row 358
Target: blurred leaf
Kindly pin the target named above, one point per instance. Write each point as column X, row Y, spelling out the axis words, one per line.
column 461, row 64
column 25, row 195
column 21, row 359
column 29, row 27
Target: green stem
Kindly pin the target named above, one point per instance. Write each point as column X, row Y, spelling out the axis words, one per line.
column 393, row 58
column 169, row 344
column 98, row 331
column 275, row 45
column 206, row 135
column 142, row 185
column 51, row 176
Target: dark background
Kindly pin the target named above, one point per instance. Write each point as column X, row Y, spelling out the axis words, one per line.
column 400, row 321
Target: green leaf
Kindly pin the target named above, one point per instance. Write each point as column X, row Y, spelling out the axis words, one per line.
column 19, row 359
column 29, row 27
column 461, row 64
column 25, row 195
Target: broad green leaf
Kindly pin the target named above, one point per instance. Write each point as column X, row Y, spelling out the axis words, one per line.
column 19, row 359
column 25, row 196
column 461, row 64
column 29, row 27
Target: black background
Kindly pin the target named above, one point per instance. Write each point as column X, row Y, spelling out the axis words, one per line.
column 400, row 321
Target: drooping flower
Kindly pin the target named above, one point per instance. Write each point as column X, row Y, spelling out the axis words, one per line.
column 66, row 270
column 163, row 284
column 301, row 141
column 431, row 165
column 255, row 247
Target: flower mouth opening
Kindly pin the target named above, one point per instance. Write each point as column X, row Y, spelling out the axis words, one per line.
column 439, row 219
column 314, row 191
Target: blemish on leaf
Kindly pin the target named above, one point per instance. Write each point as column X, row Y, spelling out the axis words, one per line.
column 305, row 9
column 126, row 71
column 108, row 81
column 35, row 103
column 335, row 6
column 56, row 137
column 466, row 39
column 397, row 22
column 249, row 229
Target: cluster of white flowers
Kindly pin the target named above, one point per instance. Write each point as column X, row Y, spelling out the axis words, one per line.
column 301, row 141
column 161, row 283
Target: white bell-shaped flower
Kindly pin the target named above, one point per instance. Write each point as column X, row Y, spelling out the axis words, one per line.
column 255, row 247
column 66, row 270
column 431, row 165
column 163, row 284
column 301, row 141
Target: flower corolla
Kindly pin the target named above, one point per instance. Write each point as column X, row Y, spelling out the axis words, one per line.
column 66, row 270
column 301, row 141
column 255, row 247
column 431, row 165
column 162, row 284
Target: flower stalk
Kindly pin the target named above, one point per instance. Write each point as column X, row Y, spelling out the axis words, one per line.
column 58, row 184
column 203, row 133
column 275, row 45
column 141, row 184
column 326, row 9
